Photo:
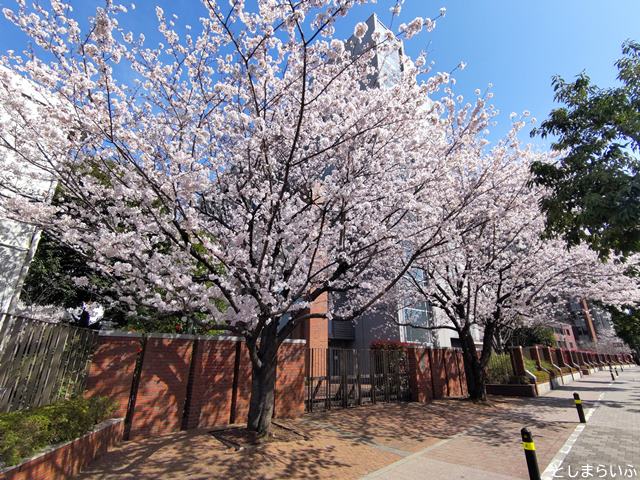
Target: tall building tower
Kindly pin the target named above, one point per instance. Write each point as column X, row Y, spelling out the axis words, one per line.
column 387, row 71
column 386, row 60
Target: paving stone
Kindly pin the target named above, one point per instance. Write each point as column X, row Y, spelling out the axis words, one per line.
column 446, row 439
column 609, row 446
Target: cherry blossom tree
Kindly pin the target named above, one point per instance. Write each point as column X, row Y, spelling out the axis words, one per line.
column 502, row 273
column 237, row 173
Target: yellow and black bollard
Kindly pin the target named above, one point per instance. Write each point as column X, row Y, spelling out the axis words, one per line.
column 530, row 454
column 613, row 377
column 578, row 402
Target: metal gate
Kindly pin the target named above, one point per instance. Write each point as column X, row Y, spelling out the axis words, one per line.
column 341, row 378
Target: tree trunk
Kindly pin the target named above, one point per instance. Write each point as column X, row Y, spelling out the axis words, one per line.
column 473, row 368
column 263, row 383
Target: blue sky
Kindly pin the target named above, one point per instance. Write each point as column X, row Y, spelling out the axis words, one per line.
column 515, row 44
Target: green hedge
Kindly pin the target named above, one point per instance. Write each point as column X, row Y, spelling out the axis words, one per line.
column 531, row 366
column 24, row 433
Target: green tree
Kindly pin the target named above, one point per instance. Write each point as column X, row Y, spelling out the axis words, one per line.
column 536, row 335
column 51, row 280
column 52, row 274
column 626, row 322
column 594, row 187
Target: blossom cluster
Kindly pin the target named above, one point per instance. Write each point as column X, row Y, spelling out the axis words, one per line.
column 240, row 171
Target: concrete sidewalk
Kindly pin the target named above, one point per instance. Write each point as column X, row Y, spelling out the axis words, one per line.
column 492, row 449
column 609, row 444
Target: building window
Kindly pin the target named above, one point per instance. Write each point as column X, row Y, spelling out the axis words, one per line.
column 420, row 314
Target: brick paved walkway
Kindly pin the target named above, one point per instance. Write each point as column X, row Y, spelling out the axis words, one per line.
column 491, row 449
column 446, row 439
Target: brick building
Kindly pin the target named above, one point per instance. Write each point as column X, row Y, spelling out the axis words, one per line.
column 564, row 336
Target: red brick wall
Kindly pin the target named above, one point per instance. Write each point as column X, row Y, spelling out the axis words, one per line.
column 559, row 357
column 112, row 368
column 436, row 373
column 583, row 358
column 547, row 355
column 317, row 329
column 290, row 380
column 243, row 394
column 211, row 391
column 439, row 373
column 420, row 375
column 67, row 460
column 162, row 389
column 534, row 352
column 188, row 382
column 461, row 374
column 517, row 359
column 453, row 374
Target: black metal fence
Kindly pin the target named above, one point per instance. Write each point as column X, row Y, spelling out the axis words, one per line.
column 42, row 362
column 500, row 368
column 340, row 378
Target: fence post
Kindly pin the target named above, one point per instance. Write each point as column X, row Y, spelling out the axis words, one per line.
column 328, row 381
column 358, row 380
column 517, row 360
column 372, row 375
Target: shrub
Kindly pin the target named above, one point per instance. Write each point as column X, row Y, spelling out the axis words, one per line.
column 549, row 366
column 390, row 345
column 531, row 366
column 26, row 432
column 499, row 369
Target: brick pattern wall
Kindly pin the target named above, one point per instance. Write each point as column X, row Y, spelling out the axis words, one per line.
column 317, row 329
column 462, row 374
column 582, row 358
column 565, row 358
column 212, row 383
column 559, row 358
column 420, row 375
column 436, row 373
column 290, row 381
column 547, row 355
column 517, row 359
column 112, row 368
column 243, row 393
column 455, row 375
column 160, row 399
column 577, row 358
column 439, row 373
column 187, row 382
column 68, row 459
